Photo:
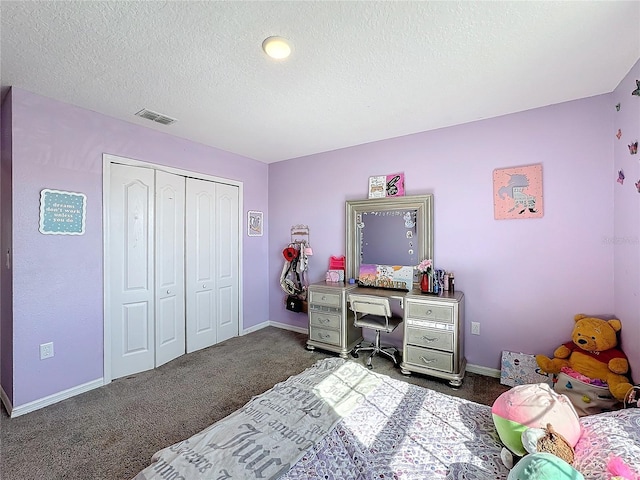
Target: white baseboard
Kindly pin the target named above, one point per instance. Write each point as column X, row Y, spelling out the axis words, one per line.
column 255, row 328
column 270, row 323
column 284, row 326
column 5, row 401
column 486, row 371
column 55, row 398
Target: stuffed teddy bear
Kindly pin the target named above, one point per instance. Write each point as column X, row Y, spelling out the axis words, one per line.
column 592, row 352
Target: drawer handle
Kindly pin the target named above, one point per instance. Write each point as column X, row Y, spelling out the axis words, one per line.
column 323, row 297
column 429, row 339
column 429, row 312
column 427, row 361
column 323, row 320
column 322, row 337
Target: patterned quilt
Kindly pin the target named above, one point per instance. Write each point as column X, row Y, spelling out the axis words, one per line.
column 395, row 430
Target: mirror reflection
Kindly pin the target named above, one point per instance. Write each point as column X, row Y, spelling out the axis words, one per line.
column 388, row 237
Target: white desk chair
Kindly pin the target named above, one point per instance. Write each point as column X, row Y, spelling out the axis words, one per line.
column 374, row 312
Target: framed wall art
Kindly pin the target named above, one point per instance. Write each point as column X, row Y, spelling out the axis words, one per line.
column 62, row 213
column 254, row 223
column 381, row 186
column 517, row 192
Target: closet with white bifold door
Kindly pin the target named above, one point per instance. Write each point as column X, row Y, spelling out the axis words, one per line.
column 173, row 266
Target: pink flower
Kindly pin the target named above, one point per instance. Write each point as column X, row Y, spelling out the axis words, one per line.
column 425, row 266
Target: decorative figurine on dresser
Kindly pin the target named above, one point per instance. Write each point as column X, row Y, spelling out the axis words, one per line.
column 330, row 321
column 434, row 336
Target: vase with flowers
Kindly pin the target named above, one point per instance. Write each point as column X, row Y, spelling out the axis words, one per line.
column 424, row 269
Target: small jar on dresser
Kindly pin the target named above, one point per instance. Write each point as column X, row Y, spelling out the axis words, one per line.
column 434, row 336
column 330, row 320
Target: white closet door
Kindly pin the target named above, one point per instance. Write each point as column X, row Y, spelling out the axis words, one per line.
column 170, row 289
column 227, row 261
column 131, row 286
column 212, row 263
column 200, row 253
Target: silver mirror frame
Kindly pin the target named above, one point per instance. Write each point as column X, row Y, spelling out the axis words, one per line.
column 423, row 204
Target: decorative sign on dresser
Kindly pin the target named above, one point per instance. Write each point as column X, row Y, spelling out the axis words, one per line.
column 434, row 336
column 330, row 320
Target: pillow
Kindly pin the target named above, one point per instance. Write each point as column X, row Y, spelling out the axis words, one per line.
column 396, row 277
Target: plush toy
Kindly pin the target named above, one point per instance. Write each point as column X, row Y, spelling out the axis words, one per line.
column 592, row 352
column 543, row 466
column 533, row 406
column 620, row 470
column 547, row 440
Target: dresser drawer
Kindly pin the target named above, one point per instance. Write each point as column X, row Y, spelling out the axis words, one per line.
column 322, row 298
column 430, row 338
column 324, row 320
column 323, row 335
column 429, row 358
column 436, row 313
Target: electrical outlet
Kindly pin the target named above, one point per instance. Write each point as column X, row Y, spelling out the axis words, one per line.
column 46, row 350
column 475, row 328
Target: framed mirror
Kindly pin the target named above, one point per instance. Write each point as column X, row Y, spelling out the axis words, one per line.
column 388, row 231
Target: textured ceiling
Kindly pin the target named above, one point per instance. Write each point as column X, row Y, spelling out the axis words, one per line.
column 359, row 71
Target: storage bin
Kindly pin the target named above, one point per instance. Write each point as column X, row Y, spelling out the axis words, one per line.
column 587, row 399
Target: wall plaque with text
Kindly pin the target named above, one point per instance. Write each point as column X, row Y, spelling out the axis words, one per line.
column 62, row 213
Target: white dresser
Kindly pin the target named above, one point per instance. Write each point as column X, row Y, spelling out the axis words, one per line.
column 330, row 321
column 434, row 336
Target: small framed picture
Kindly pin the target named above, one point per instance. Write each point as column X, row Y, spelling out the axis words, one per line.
column 391, row 185
column 254, row 223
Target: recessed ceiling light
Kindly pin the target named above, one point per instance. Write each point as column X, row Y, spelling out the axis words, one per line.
column 276, row 47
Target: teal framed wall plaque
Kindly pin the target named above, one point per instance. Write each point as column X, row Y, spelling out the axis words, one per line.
column 62, row 213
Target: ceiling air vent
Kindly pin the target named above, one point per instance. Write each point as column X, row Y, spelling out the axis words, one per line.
column 156, row 117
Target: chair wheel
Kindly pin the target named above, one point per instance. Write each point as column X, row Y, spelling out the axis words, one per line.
column 354, row 355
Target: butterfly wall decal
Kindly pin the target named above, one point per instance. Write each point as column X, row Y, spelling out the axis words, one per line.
column 633, row 148
column 637, row 90
column 620, row 177
column 619, row 134
column 617, row 107
column 638, row 185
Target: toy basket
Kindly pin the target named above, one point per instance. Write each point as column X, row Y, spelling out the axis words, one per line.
column 587, row 399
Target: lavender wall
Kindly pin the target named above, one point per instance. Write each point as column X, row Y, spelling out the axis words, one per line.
column 626, row 239
column 523, row 279
column 58, row 280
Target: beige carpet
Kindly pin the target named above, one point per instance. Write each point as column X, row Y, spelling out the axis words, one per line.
column 110, row 433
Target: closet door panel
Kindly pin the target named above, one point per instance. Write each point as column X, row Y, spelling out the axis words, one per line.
column 170, row 290
column 131, row 287
column 227, row 261
column 200, row 259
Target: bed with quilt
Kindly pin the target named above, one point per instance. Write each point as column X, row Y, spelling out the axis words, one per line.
column 339, row 420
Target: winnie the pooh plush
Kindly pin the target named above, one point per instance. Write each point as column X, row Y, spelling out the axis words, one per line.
column 592, row 352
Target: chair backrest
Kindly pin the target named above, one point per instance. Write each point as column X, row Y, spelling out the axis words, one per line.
column 370, row 305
